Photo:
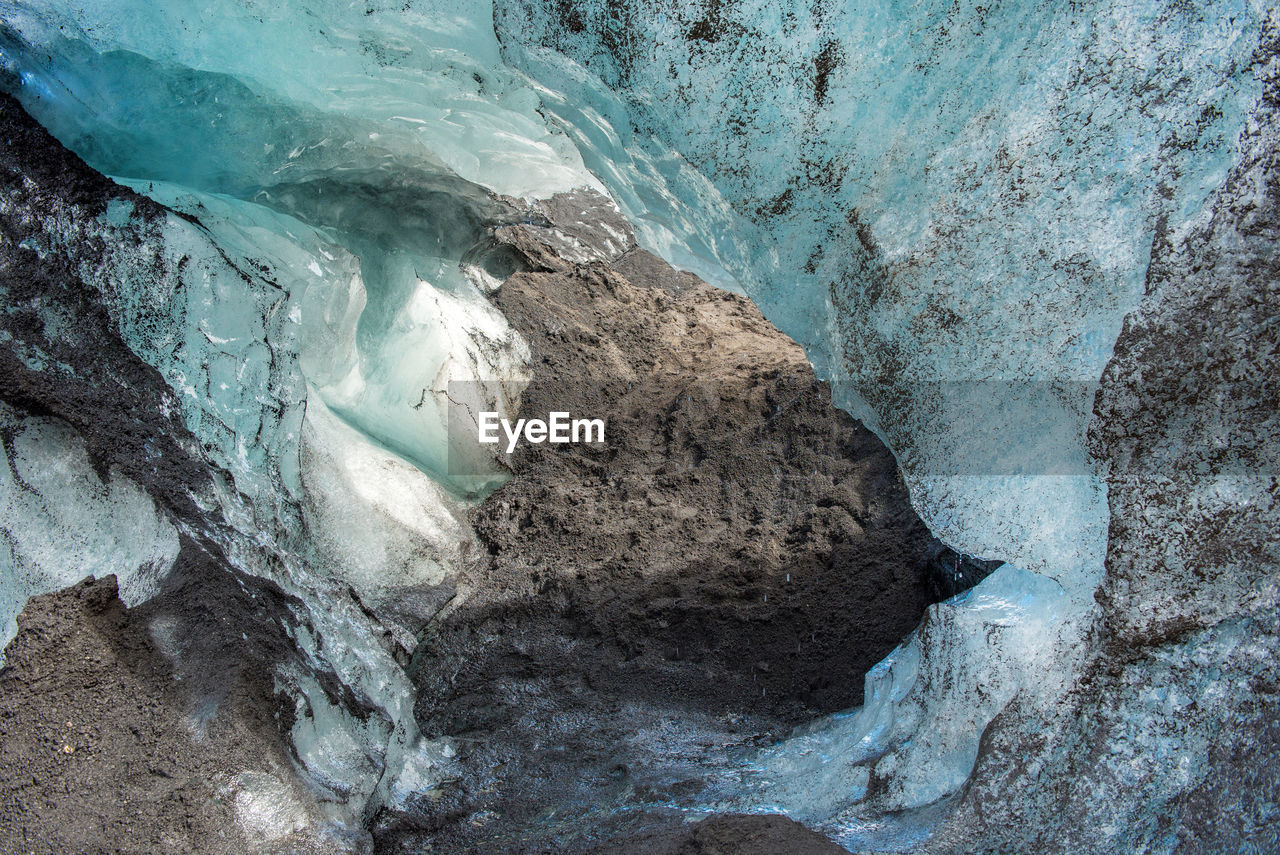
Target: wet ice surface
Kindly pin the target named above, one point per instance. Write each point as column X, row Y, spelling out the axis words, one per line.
column 63, row 521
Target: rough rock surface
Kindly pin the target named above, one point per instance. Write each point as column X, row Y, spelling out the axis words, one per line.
column 732, row 512
column 727, row 564
column 728, row 835
column 108, row 745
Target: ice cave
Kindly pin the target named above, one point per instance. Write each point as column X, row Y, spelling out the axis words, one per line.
column 934, row 346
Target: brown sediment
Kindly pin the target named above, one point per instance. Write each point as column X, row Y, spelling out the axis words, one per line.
column 108, row 746
column 728, row 564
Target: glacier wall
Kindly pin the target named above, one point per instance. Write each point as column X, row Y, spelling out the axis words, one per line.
column 1169, row 742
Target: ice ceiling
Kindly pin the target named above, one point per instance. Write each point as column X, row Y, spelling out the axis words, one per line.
column 951, row 206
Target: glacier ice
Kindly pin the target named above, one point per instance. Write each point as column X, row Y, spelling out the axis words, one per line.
column 64, row 521
column 306, row 303
column 301, row 95
column 390, row 374
column 379, row 523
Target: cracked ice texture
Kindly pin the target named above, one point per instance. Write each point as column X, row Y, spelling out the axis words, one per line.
column 220, row 337
column 387, row 131
column 318, row 212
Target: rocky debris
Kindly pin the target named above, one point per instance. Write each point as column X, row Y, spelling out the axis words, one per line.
column 567, row 230
column 730, row 834
column 106, row 748
column 728, row 564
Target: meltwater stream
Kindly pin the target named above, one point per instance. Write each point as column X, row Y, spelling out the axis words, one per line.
column 952, row 208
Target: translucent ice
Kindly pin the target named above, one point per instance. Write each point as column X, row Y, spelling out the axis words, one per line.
column 63, row 522
column 287, row 94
